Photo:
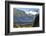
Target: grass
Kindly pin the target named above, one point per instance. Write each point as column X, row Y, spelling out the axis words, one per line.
column 21, row 26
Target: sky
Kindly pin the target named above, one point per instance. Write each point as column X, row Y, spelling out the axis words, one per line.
column 32, row 11
column 29, row 9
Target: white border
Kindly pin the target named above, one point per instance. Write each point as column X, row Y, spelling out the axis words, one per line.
column 24, row 29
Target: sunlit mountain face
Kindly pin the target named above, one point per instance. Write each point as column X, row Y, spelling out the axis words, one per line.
column 25, row 15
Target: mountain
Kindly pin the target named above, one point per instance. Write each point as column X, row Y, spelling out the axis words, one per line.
column 21, row 17
column 18, row 12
